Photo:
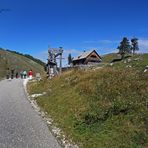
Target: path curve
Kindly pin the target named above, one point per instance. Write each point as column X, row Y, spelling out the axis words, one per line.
column 20, row 125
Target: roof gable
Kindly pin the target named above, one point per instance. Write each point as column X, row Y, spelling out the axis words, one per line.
column 85, row 55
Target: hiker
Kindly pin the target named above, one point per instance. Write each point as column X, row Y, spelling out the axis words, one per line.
column 30, row 74
column 24, row 74
column 12, row 73
column 16, row 75
column 21, row 73
column 7, row 73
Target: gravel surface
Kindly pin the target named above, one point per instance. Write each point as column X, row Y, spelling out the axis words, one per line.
column 20, row 125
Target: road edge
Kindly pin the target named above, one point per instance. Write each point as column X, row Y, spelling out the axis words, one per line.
column 55, row 131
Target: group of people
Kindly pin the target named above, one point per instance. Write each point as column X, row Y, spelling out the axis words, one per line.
column 10, row 74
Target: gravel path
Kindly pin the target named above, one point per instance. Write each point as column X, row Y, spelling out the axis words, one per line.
column 20, row 125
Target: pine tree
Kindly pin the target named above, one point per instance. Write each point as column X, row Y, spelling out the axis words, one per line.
column 124, row 47
column 135, row 46
column 69, row 59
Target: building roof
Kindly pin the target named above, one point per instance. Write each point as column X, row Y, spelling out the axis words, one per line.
column 84, row 55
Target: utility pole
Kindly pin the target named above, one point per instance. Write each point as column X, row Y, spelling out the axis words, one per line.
column 61, row 51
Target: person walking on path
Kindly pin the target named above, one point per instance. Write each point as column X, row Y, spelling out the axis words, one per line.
column 7, row 73
column 30, row 74
column 12, row 73
column 16, row 75
column 21, row 73
column 24, row 74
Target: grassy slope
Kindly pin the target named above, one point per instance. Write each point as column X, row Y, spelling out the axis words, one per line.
column 102, row 108
column 17, row 62
column 109, row 57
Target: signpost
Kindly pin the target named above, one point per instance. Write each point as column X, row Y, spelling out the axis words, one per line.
column 52, row 68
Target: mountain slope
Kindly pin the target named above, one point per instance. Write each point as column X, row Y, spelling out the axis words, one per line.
column 106, row 107
column 18, row 62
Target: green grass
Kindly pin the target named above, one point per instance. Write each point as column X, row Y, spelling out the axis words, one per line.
column 138, row 61
column 18, row 62
column 99, row 109
column 109, row 57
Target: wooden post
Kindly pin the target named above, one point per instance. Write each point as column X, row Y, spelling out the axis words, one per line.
column 61, row 51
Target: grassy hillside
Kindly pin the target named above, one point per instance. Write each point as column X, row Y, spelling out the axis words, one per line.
column 102, row 108
column 28, row 56
column 18, row 62
column 138, row 60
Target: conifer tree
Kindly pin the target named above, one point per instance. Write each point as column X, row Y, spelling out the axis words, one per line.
column 134, row 46
column 124, row 47
column 69, row 59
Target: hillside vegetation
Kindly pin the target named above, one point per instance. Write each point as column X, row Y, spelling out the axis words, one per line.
column 29, row 56
column 100, row 108
column 18, row 62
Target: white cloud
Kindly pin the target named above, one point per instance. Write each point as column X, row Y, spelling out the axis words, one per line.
column 109, row 41
column 106, row 41
column 143, row 45
column 72, row 51
column 143, row 42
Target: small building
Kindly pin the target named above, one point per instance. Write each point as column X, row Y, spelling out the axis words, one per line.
column 87, row 58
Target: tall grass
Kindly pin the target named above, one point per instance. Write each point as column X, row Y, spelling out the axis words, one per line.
column 101, row 108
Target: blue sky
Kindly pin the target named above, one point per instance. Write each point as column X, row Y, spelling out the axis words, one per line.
column 76, row 25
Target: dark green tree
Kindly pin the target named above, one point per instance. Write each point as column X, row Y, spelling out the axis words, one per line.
column 124, row 47
column 134, row 46
column 69, row 59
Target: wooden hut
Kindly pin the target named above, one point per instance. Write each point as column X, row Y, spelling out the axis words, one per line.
column 87, row 58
